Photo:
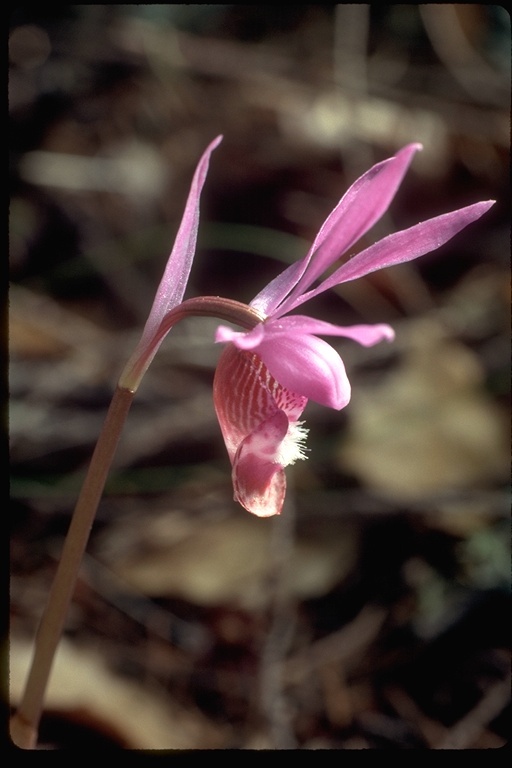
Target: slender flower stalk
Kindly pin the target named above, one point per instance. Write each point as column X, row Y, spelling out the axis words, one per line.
column 265, row 376
column 25, row 721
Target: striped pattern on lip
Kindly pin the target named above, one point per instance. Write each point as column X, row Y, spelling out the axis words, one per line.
column 259, row 421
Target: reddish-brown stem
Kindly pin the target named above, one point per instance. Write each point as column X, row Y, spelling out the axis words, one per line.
column 203, row 306
column 25, row 722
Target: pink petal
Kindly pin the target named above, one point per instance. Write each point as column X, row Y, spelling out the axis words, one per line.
column 367, row 335
column 359, row 209
column 241, row 339
column 308, row 366
column 259, row 481
column 174, row 281
column 401, row 247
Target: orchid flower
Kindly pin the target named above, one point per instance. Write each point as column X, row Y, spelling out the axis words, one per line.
column 269, row 371
column 266, row 375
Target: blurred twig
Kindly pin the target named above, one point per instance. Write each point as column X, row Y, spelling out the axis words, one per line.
column 467, row 730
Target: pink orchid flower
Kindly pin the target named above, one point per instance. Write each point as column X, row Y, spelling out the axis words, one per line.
column 265, row 376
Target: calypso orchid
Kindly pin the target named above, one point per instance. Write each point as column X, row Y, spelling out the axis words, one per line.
column 268, row 372
column 265, row 376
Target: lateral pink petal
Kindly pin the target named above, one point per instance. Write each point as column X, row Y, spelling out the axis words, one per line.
column 308, row 366
column 358, row 210
column 259, row 481
column 367, row 335
column 400, row 247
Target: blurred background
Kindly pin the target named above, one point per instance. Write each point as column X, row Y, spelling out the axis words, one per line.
column 370, row 614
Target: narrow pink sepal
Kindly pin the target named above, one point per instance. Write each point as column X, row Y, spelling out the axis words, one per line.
column 358, row 210
column 174, row 281
column 367, row 335
column 400, row 247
